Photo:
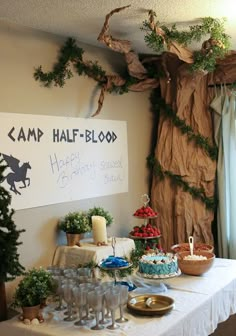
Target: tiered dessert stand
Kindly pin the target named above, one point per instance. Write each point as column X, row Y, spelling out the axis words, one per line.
column 114, row 270
column 148, row 239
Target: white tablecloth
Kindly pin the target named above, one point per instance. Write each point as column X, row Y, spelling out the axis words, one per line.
column 200, row 304
column 88, row 251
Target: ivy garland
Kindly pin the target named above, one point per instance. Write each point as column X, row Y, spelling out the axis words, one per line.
column 71, row 55
column 204, row 59
column 159, row 105
column 199, row 193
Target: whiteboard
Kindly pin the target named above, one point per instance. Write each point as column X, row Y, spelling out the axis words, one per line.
column 59, row 159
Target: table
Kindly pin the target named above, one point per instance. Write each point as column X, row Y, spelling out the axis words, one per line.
column 200, row 304
column 87, row 252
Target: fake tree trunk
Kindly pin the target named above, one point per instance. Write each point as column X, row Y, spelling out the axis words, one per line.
column 189, row 95
column 181, row 214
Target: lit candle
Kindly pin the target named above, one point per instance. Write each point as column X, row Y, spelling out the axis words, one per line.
column 99, row 229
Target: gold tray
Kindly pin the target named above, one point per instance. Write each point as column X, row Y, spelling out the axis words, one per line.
column 159, row 304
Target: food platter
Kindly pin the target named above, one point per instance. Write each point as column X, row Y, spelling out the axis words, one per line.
column 113, row 268
column 146, row 217
column 150, row 304
column 144, row 238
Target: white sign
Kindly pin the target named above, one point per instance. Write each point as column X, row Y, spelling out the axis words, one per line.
column 57, row 159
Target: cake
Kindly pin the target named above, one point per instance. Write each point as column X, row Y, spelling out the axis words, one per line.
column 158, row 265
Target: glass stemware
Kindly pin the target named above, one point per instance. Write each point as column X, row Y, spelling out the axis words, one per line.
column 68, row 297
column 59, row 282
column 123, row 289
column 95, row 299
column 113, row 300
column 106, row 286
column 86, row 289
column 103, row 320
column 80, row 301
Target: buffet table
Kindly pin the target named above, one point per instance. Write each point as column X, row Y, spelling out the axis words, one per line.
column 73, row 256
column 200, row 304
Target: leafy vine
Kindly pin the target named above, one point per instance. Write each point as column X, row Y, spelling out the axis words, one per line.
column 159, row 105
column 198, row 193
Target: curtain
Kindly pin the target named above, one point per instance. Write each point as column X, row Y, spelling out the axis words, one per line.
column 224, row 105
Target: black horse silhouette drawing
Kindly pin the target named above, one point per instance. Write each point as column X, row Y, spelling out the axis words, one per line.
column 18, row 173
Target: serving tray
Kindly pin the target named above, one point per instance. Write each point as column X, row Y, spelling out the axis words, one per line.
column 150, row 304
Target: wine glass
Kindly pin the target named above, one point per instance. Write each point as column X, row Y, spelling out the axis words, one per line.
column 80, row 300
column 59, row 282
column 68, row 297
column 84, row 271
column 103, row 290
column 95, row 301
column 113, row 300
column 106, row 286
column 87, row 287
column 123, row 289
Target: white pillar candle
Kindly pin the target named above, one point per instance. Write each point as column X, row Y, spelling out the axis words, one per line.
column 99, row 229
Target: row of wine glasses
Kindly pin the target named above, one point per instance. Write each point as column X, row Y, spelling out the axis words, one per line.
column 89, row 298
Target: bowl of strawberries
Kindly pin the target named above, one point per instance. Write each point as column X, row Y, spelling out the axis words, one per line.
column 145, row 212
column 147, row 231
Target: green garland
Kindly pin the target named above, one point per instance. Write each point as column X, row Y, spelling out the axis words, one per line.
column 202, row 59
column 71, row 55
column 159, row 105
column 198, row 193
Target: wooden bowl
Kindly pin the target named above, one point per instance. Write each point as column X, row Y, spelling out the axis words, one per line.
column 195, row 267
column 184, row 247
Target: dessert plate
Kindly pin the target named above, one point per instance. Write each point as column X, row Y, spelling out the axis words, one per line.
column 113, row 268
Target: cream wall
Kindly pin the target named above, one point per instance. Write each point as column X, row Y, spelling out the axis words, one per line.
column 21, row 51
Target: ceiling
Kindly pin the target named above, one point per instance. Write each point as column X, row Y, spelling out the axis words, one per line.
column 83, row 19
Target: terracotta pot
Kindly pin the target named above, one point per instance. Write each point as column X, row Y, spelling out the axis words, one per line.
column 31, row 312
column 43, row 303
column 73, row 239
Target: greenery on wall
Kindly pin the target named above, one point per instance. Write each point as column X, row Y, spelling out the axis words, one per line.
column 159, row 106
column 177, row 180
column 71, row 58
column 205, row 59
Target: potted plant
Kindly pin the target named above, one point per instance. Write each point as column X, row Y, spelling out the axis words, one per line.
column 99, row 211
column 10, row 266
column 74, row 224
column 32, row 291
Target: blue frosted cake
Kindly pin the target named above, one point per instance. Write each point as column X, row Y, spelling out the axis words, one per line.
column 158, row 265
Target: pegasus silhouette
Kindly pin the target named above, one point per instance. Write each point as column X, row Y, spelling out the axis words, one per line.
column 18, row 173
